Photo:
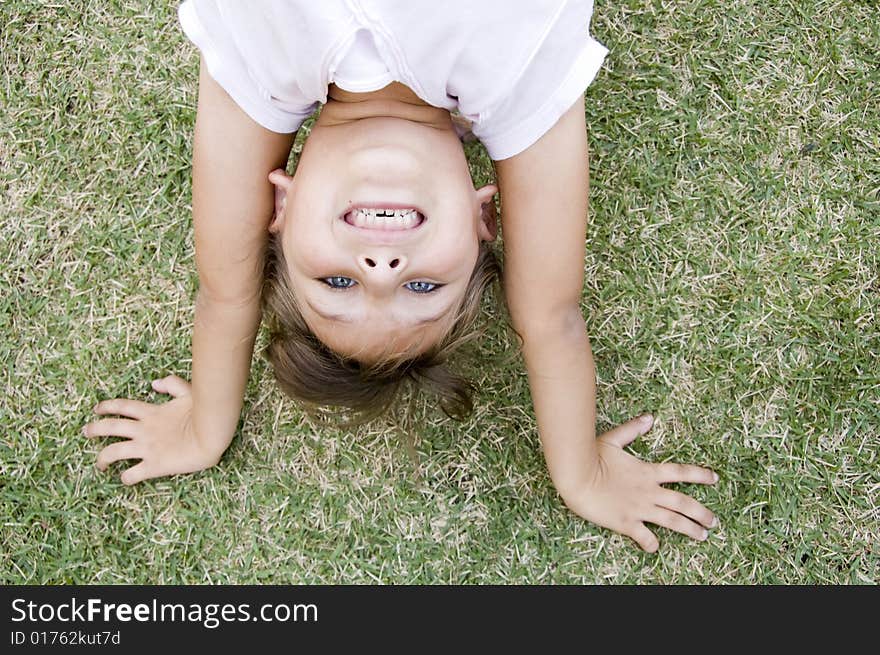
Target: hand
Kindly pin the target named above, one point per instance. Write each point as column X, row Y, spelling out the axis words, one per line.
column 623, row 492
column 161, row 436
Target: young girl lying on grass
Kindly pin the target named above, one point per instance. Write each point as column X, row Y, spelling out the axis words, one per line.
column 376, row 251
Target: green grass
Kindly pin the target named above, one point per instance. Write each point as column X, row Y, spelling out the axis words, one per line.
column 731, row 289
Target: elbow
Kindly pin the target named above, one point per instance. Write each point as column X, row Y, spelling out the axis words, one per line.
column 229, row 298
column 565, row 321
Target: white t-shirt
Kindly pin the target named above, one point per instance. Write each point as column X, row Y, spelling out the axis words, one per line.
column 512, row 67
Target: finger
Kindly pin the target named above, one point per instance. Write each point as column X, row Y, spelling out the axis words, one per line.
column 172, row 385
column 111, row 427
column 115, row 452
column 684, row 504
column 675, row 521
column 123, row 407
column 625, row 434
column 684, row 473
column 278, row 176
column 644, row 538
column 135, row 474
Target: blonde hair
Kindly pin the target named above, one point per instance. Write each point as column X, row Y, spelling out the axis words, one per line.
column 310, row 372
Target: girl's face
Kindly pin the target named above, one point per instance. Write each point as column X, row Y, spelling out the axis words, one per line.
column 381, row 226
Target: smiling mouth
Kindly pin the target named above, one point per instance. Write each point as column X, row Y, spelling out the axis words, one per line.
column 371, row 218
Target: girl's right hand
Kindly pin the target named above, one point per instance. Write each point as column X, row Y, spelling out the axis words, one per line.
column 161, row 436
column 624, row 493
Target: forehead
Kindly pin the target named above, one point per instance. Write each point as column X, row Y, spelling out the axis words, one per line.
column 375, row 340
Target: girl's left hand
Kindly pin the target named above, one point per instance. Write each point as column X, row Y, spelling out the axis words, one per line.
column 162, row 436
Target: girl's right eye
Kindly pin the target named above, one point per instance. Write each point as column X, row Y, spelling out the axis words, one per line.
column 338, row 282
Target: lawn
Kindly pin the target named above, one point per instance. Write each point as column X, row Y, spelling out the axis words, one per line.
column 731, row 289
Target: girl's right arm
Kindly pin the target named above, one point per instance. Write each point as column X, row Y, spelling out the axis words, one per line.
column 547, row 185
column 233, row 203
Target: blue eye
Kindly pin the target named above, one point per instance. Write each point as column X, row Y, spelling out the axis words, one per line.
column 422, row 287
column 338, row 282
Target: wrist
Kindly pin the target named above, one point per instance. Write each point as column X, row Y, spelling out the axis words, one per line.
column 212, row 446
column 571, row 484
column 211, row 437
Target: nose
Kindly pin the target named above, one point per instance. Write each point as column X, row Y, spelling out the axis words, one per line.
column 382, row 268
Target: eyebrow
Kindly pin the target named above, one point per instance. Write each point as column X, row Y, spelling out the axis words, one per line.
column 345, row 319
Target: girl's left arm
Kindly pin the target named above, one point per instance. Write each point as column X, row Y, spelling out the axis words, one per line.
column 544, row 193
column 233, row 202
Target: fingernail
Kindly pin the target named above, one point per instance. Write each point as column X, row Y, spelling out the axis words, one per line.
column 714, row 478
column 714, row 523
column 646, row 419
column 85, row 430
column 705, row 535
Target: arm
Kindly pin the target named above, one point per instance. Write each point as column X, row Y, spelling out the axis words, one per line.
column 233, row 202
column 543, row 276
column 232, row 206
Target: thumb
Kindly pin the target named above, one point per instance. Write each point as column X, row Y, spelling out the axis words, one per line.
column 172, row 385
column 624, row 434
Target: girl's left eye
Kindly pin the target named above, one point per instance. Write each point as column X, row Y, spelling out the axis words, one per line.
column 422, row 287
column 339, row 282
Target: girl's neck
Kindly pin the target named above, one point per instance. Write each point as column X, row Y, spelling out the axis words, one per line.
column 393, row 91
column 395, row 101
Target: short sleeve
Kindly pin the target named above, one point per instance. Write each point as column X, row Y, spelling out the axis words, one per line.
column 203, row 24
column 560, row 70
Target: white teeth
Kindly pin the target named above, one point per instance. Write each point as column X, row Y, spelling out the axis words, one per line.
column 386, row 219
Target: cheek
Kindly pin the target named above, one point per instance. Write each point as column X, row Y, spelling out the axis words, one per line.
column 456, row 255
column 309, row 250
column 308, row 258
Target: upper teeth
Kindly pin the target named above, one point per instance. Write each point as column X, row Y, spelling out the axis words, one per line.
column 399, row 219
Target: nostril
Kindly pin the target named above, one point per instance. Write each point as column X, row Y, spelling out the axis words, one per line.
column 393, row 263
column 370, row 263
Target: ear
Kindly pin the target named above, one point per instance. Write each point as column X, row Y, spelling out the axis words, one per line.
column 282, row 182
column 488, row 226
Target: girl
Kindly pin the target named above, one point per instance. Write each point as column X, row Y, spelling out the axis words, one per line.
column 376, row 249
